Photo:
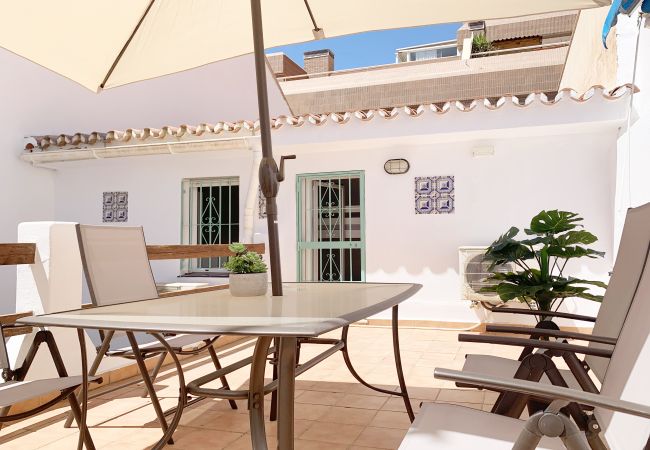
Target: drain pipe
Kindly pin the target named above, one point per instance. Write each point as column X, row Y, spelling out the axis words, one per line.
column 251, row 198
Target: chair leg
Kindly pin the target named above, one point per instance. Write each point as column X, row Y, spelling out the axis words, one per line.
column 76, row 413
column 511, row 404
column 148, row 384
column 155, row 371
column 543, row 325
column 217, row 365
column 106, row 343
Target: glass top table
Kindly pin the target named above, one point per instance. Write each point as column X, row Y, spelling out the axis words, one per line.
column 304, row 312
column 305, row 309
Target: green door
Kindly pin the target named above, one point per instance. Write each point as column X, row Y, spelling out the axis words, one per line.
column 331, row 227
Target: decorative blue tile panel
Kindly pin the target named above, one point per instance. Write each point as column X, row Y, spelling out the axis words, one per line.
column 434, row 195
column 115, row 207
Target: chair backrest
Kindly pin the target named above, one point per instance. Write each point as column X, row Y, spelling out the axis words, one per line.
column 628, row 375
column 623, row 283
column 116, row 264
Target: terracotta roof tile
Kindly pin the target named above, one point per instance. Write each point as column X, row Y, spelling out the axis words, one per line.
column 232, row 129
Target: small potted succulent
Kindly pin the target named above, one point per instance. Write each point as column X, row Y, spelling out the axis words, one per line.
column 553, row 239
column 248, row 272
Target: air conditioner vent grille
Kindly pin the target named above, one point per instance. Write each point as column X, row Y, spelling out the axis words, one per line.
column 474, row 270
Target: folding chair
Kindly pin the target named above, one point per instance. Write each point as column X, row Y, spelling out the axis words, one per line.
column 536, row 360
column 625, row 425
column 15, row 389
column 117, row 270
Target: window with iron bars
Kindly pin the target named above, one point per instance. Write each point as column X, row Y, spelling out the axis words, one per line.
column 210, row 215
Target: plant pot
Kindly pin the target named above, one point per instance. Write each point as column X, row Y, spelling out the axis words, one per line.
column 248, row 284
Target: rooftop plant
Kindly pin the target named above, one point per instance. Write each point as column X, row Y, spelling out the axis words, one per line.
column 553, row 239
column 244, row 261
column 481, row 44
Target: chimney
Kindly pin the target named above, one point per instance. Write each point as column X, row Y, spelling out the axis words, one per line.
column 319, row 61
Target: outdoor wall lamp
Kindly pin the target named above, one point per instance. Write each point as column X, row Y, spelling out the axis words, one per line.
column 398, row 166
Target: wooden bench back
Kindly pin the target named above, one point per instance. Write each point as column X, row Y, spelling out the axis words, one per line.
column 12, row 254
column 158, row 252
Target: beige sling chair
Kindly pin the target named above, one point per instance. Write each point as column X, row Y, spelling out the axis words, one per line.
column 621, row 410
column 536, row 362
column 117, row 270
column 14, row 389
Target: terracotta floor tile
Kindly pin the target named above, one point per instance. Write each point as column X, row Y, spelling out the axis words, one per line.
column 224, row 421
column 334, row 433
column 461, row 395
column 320, row 397
column 380, row 438
column 307, row 411
column 301, row 444
column 195, row 439
column 397, row 404
column 362, row 401
column 391, row 419
column 422, row 392
column 352, row 416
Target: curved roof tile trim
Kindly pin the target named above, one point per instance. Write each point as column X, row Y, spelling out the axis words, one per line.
column 81, row 140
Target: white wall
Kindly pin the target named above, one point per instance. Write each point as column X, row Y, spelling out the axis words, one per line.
column 34, row 101
column 154, row 187
column 528, row 173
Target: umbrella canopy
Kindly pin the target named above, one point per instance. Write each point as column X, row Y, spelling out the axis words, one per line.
column 111, row 43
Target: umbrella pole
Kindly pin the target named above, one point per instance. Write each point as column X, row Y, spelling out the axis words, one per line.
column 268, row 173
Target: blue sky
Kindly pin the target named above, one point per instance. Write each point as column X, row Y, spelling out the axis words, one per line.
column 372, row 48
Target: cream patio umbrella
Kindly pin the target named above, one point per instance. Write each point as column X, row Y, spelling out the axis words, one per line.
column 103, row 44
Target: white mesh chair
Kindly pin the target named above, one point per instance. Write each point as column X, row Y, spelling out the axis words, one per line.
column 622, row 409
column 539, row 365
column 14, row 389
column 117, row 270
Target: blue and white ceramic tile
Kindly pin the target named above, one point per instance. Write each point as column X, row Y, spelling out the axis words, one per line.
column 115, row 207
column 434, row 195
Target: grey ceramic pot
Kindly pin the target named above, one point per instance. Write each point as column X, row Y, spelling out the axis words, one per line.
column 248, row 284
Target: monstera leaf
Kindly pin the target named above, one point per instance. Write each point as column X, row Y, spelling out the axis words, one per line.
column 574, row 252
column 506, row 249
column 575, row 237
column 553, row 222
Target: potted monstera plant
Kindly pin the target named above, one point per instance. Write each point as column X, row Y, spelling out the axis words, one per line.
column 248, row 272
column 553, row 239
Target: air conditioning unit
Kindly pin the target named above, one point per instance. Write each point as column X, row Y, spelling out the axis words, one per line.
column 473, row 273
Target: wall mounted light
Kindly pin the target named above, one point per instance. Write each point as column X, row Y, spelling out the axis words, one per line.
column 397, row 166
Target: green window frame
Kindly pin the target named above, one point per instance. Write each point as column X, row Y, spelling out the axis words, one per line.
column 330, row 219
column 210, row 215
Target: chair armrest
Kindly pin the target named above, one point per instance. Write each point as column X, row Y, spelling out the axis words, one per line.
column 543, row 390
column 536, row 343
column 531, row 312
column 551, row 333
